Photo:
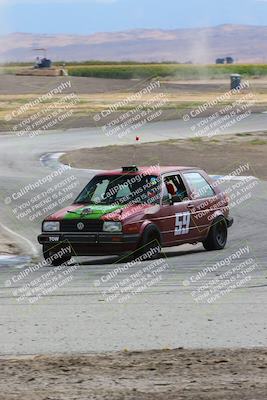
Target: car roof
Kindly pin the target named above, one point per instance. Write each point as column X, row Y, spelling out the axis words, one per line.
column 149, row 170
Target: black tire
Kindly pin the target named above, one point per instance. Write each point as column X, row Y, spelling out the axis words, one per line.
column 217, row 236
column 150, row 244
column 48, row 253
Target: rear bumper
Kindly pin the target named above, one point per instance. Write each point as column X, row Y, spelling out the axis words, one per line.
column 229, row 221
column 90, row 243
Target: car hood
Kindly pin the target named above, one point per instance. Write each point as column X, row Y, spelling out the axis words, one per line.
column 105, row 212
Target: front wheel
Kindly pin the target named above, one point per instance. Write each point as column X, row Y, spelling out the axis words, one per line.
column 55, row 257
column 217, row 236
column 150, row 245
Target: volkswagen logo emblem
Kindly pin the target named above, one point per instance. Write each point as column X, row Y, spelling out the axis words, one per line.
column 80, row 226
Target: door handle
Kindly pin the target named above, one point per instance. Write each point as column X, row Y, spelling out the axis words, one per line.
column 190, row 206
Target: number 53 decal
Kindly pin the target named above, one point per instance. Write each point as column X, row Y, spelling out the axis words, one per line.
column 182, row 223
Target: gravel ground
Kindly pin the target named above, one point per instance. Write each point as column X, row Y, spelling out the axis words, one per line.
column 151, row 375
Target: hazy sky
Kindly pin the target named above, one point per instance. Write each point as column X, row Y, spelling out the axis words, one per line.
column 88, row 16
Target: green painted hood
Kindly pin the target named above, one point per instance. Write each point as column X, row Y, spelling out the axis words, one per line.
column 90, row 212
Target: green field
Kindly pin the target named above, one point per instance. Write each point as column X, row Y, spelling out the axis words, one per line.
column 131, row 70
column 177, row 71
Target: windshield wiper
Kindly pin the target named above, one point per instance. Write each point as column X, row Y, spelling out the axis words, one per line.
column 72, row 212
column 85, row 202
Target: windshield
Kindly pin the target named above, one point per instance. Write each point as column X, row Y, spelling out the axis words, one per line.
column 121, row 189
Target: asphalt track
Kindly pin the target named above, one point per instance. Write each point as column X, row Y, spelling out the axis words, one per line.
column 76, row 318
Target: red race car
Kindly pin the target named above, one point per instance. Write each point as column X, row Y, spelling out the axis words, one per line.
column 139, row 210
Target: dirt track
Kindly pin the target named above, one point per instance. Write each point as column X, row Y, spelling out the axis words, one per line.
column 220, row 155
column 96, row 93
column 152, row 375
column 12, row 84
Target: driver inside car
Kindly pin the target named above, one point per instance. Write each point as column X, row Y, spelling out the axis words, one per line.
column 176, row 190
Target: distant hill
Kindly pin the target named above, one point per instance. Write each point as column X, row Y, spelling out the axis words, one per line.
column 198, row 45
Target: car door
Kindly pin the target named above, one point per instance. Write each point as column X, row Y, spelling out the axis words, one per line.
column 174, row 218
column 202, row 202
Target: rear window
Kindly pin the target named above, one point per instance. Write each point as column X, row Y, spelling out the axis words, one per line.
column 199, row 186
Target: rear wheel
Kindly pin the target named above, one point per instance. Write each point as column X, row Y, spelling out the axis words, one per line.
column 217, row 236
column 54, row 257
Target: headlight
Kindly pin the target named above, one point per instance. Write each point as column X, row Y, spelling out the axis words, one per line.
column 112, row 226
column 51, row 226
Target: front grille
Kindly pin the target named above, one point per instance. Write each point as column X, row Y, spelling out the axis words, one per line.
column 90, row 225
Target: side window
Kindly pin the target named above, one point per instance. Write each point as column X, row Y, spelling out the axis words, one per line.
column 199, row 186
column 176, row 188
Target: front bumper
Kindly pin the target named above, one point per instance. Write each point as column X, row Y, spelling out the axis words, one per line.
column 91, row 243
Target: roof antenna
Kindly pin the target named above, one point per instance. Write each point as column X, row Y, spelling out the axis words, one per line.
column 137, row 139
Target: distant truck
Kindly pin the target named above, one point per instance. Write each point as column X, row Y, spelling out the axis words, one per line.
column 43, row 63
column 43, row 67
column 226, row 60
